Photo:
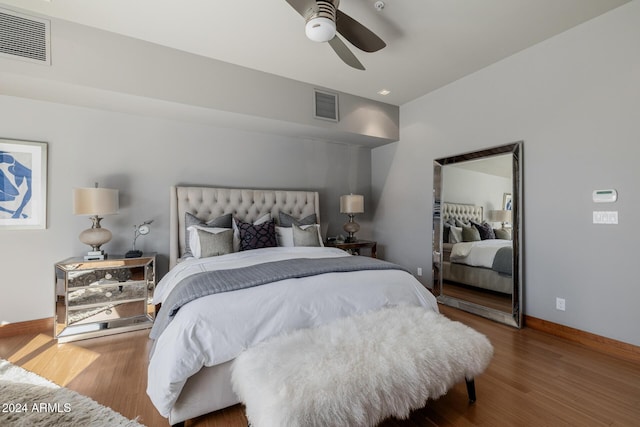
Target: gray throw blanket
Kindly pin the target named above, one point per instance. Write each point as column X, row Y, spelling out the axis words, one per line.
column 503, row 261
column 212, row 282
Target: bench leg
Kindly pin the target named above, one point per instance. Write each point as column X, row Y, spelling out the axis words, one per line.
column 471, row 389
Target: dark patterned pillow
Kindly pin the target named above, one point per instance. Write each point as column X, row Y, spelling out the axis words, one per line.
column 485, row 230
column 223, row 221
column 256, row 236
column 287, row 220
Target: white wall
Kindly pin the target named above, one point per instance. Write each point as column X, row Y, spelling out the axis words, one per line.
column 474, row 188
column 142, row 156
column 575, row 101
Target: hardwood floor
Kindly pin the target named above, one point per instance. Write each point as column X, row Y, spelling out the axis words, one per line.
column 534, row 379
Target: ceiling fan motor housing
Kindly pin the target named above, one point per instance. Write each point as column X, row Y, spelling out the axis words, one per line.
column 321, row 23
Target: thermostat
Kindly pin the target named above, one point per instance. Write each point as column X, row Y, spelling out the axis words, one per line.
column 605, row 196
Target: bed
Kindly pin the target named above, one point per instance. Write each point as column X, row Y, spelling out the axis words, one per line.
column 189, row 367
column 477, row 260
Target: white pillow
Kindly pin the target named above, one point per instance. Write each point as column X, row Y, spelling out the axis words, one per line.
column 455, row 234
column 194, row 240
column 236, row 231
column 284, row 235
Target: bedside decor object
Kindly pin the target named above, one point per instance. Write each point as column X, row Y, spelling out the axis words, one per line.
column 138, row 230
column 501, row 216
column 23, row 185
column 351, row 204
column 95, row 202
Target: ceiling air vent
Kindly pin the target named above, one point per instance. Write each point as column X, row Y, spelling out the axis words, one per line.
column 24, row 37
column 326, row 105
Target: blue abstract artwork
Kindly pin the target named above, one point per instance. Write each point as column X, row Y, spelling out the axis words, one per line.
column 23, row 184
column 15, row 185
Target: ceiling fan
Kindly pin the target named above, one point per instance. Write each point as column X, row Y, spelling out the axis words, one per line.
column 323, row 19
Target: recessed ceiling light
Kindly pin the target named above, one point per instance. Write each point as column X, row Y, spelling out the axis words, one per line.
column 384, row 92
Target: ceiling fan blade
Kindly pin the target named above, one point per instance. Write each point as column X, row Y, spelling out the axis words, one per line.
column 345, row 54
column 357, row 34
column 303, row 7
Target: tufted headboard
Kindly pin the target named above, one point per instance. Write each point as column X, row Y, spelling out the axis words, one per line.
column 248, row 205
column 462, row 212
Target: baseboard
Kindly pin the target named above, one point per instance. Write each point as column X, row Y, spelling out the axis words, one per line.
column 596, row 342
column 37, row 326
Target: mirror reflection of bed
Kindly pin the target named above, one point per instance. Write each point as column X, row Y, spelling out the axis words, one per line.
column 476, row 263
column 476, row 220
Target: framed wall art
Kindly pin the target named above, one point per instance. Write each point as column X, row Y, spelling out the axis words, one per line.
column 506, row 201
column 23, row 184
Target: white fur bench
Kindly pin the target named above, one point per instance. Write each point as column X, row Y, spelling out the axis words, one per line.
column 359, row 370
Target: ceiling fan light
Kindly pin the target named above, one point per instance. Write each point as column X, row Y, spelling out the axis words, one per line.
column 320, row 29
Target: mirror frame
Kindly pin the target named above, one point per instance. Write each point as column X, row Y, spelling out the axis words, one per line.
column 515, row 317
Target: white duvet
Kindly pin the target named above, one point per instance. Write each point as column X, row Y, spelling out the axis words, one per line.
column 477, row 254
column 216, row 328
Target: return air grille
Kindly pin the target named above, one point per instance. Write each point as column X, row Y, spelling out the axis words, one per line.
column 326, row 105
column 24, row 37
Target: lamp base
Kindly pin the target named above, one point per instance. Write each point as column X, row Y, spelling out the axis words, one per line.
column 351, row 227
column 95, row 255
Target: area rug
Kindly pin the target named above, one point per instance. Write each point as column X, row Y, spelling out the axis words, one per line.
column 28, row 400
column 359, row 370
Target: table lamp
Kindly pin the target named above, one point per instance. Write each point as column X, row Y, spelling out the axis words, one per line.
column 500, row 216
column 95, row 202
column 351, row 204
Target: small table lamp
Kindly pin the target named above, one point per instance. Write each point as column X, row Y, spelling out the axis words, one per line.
column 95, row 202
column 500, row 216
column 351, row 204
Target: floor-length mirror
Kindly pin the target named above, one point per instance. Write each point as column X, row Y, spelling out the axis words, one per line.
column 477, row 232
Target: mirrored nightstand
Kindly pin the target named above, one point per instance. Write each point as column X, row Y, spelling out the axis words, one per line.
column 103, row 297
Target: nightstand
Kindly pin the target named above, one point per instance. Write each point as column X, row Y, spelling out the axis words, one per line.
column 103, row 297
column 354, row 247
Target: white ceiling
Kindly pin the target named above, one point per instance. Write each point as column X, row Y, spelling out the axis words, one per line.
column 430, row 43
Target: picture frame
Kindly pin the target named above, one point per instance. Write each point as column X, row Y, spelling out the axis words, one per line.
column 23, row 184
column 506, row 201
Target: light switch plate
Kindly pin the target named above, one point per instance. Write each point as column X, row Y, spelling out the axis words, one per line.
column 605, row 217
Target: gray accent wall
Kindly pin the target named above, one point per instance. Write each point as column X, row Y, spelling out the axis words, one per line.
column 140, row 117
column 575, row 102
column 142, row 156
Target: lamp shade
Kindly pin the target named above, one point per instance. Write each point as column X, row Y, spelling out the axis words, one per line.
column 95, row 201
column 352, row 203
column 499, row 216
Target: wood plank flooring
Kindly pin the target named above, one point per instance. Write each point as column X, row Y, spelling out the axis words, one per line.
column 534, row 379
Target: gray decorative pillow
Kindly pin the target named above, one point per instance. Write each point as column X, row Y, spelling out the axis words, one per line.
column 470, row 234
column 223, row 221
column 287, row 220
column 215, row 244
column 455, row 234
column 308, row 237
column 502, row 233
column 461, row 223
column 446, row 229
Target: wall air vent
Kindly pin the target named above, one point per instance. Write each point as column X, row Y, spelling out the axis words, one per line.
column 24, row 37
column 325, row 105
